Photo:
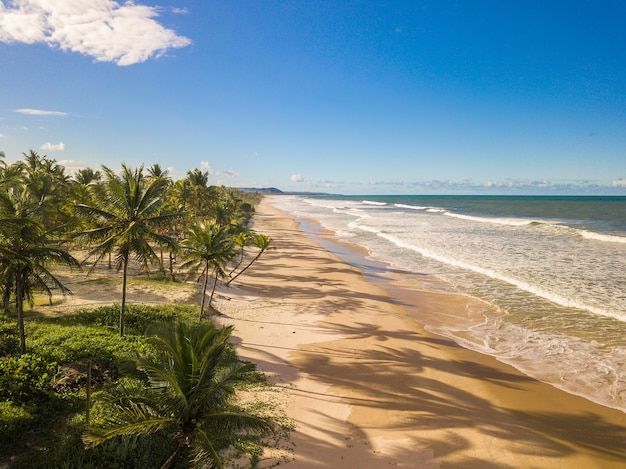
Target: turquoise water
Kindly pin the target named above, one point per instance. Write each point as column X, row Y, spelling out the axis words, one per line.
column 550, row 272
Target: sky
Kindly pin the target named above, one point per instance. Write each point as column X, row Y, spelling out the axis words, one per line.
column 351, row 97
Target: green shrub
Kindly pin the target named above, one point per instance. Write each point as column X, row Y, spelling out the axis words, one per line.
column 9, row 340
column 70, row 453
column 13, row 418
column 72, row 343
column 140, row 319
column 26, row 379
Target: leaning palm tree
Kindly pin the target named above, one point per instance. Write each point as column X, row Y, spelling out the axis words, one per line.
column 125, row 219
column 263, row 243
column 26, row 252
column 241, row 240
column 207, row 248
column 189, row 397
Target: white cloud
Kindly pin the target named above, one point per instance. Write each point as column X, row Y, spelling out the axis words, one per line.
column 103, row 29
column 205, row 166
column 53, row 146
column 1, row 135
column 72, row 166
column 296, row 178
column 619, row 183
column 39, row 112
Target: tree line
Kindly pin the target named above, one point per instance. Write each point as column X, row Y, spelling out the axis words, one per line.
column 137, row 216
column 131, row 215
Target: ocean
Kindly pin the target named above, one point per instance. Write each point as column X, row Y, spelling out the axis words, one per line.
column 549, row 274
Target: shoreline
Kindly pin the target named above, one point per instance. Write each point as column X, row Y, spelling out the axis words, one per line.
column 367, row 386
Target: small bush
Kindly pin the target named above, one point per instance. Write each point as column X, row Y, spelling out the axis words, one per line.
column 65, row 344
column 26, row 378
column 9, row 340
column 13, row 418
column 140, row 319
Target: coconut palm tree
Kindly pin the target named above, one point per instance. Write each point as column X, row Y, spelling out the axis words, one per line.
column 189, row 397
column 207, row 248
column 241, row 240
column 48, row 186
column 263, row 243
column 125, row 218
column 87, row 176
column 155, row 171
column 26, row 252
column 198, row 182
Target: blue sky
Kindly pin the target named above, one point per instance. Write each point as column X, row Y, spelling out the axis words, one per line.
column 355, row 97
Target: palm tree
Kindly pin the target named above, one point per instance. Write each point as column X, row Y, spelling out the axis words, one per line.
column 206, row 248
column 241, row 240
column 82, row 185
column 11, row 176
column 125, row 218
column 155, row 171
column 87, row 176
column 189, row 397
column 48, row 186
column 263, row 243
column 26, row 251
column 198, row 181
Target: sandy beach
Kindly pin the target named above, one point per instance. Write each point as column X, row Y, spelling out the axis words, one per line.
column 368, row 387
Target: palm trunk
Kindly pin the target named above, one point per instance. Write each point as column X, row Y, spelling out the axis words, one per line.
column 206, row 282
column 213, row 289
column 123, row 307
column 175, row 455
column 7, row 297
column 172, row 266
column 19, row 305
column 230, row 274
column 245, row 268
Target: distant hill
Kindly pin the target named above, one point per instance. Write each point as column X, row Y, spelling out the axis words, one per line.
column 262, row 190
column 275, row 191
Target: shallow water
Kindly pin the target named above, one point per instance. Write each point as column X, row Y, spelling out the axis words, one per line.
column 549, row 272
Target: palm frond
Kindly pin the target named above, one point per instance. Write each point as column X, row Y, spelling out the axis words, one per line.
column 206, row 455
column 97, row 435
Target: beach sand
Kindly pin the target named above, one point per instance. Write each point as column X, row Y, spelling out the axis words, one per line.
column 368, row 387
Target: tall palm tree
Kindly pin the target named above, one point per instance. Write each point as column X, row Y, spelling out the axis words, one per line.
column 82, row 184
column 207, row 248
column 125, row 217
column 26, row 251
column 48, row 186
column 11, row 176
column 263, row 243
column 190, row 396
column 87, row 176
column 155, row 171
column 198, row 181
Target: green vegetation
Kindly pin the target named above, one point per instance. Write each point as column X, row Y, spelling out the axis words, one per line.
column 207, row 248
column 125, row 218
column 68, row 397
column 188, row 394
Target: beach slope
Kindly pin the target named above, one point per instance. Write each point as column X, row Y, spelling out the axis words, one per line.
column 368, row 387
